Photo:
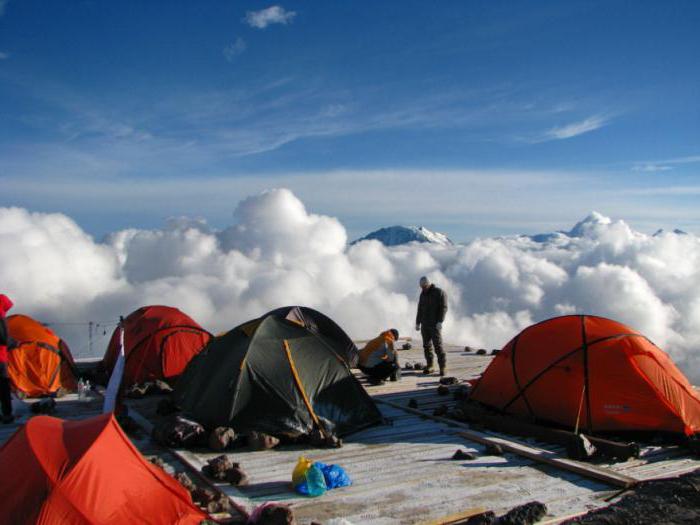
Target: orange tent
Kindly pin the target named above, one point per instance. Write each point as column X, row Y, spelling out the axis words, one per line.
column 82, row 472
column 159, row 343
column 590, row 372
column 41, row 363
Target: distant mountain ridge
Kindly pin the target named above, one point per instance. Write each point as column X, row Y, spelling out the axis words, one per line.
column 397, row 235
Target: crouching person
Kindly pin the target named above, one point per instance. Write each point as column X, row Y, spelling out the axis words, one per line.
column 378, row 359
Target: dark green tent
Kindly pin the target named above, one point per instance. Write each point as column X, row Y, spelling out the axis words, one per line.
column 321, row 324
column 276, row 376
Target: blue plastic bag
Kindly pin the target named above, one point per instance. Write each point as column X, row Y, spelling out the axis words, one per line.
column 314, row 483
column 334, row 475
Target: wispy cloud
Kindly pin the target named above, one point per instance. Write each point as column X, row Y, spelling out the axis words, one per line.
column 3, row 5
column 272, row 15
column 233, row 50
column 576, row 128
column 4, row 55
column 651, row 168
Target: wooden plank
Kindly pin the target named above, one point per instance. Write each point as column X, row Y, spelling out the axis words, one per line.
column 536, row 454
column 551, row 458
column 455, row 518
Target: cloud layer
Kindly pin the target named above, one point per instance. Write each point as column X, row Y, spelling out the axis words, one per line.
column 279, row 253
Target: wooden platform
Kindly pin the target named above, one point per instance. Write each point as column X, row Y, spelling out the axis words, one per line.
column 402, row 471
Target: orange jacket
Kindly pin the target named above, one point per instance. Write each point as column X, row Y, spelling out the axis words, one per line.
column 379, row 349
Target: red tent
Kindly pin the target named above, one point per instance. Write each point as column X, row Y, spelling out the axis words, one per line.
column 84, row 472
column 590, row 370
column 159, row 343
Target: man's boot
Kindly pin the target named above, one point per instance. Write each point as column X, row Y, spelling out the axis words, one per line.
column 443, row 367
column 429, row 369
column 396, row 374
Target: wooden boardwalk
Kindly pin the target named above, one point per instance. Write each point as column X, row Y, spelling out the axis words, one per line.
column 402, row 472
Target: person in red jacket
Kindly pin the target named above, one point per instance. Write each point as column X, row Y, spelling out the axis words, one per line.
column 5, row 390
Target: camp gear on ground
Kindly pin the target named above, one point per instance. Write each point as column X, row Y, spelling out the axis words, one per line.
column 86, row 471
column 313, row 482
column 159, row 342
column 591, row 373
column 274, row 376
column 334, row 476
column 178, row 431
column 40, row 363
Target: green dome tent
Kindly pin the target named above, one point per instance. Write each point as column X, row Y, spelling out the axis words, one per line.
column 276, row 376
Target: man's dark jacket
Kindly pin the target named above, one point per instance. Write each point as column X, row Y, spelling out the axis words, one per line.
column 432, row 306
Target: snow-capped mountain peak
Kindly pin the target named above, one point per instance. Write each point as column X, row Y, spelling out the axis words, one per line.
column 395, row 235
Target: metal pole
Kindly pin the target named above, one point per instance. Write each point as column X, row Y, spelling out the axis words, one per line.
column 90, row 326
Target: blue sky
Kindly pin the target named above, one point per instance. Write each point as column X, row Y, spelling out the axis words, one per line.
column 469, row 117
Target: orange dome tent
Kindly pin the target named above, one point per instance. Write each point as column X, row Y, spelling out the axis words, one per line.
column 86, row 471
column 590, row 372
column 159, row 343
column 41, row 363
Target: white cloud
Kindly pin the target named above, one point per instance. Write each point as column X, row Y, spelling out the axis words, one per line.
column 576, row 128
column 651, row 168
column 278, row 253
column 233, row 50
column 271, row 15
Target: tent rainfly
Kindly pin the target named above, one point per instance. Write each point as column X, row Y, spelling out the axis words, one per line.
column 592, row 373
column 277, row 376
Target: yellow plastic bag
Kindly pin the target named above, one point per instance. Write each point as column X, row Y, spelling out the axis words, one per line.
column 299, row 473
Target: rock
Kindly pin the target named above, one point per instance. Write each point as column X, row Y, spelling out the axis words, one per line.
column 442, row 390
column 462, row 392
column 487, row 518
column 408, row 366
column 463, row 454
column 324, row 440
column 495, row 351
column 494, row 449
column 262, row 441
column 449, row 380
column 441, row 410
column 524, row 514
column 221, row 438
column 218, row 505
column 406, row 346
column 218, row 467
column 412, row 403
column 481, row 351
column 468, row 349
column 185, row 481
column 418, row 366
column 237, row 477
column 203, row 496
column 275, row 514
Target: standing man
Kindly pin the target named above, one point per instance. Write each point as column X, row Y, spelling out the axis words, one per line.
column 432, row 307
column 5, row 389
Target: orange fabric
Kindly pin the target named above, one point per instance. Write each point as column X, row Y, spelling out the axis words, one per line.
column 83, row 472
column 630, row 384
column 373, row 345
column 41, row 363
column 160, row 342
